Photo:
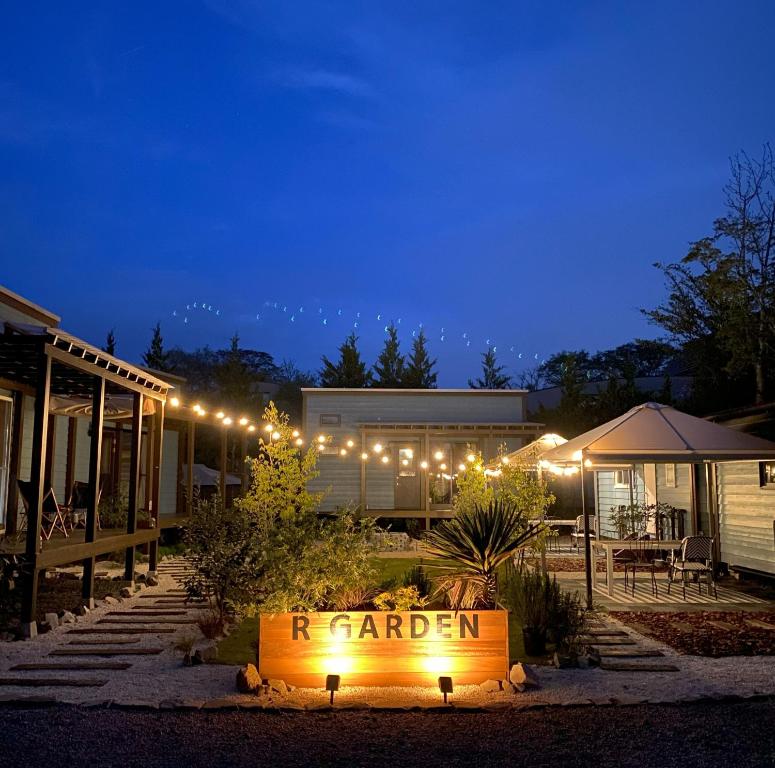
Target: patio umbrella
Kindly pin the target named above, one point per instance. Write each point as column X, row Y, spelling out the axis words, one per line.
column 653, row 433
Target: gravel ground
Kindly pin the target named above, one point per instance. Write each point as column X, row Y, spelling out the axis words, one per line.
column 690, row 736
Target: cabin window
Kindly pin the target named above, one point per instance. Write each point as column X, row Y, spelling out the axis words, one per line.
column 767, row 474
column 330, row 420
column 622, row 478
column 670, row 477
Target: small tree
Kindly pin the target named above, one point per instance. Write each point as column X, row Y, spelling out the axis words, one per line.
column 390, row 363
column 419, row 373
column 349, row 371
column 155, row 357
column 492, row 374
column 472, row 488
column 518, row 484
column 110, row 343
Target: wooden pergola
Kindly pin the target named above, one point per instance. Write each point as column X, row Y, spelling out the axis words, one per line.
column 39, row 362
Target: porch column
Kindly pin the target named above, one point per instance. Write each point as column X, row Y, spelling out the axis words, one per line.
column 588, row 564
column 222, row 484
column 190, row 444
column 17, row 436
column 93, row 493
column 243, row 453
column 153, row 546
column 72, row 432
column 427, row 484
column 37, row 480
column 134, row 481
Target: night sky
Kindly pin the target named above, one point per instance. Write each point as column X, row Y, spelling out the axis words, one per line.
column 507, row 171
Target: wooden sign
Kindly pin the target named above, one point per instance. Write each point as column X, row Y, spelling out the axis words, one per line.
column 381, row 648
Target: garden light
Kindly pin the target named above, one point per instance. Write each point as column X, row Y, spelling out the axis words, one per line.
column 504, row 460
column 332, row 685
column 445, row 686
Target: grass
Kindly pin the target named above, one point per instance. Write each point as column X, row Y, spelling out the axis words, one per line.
column 240, row 646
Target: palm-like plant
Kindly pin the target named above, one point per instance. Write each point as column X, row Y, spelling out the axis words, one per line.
column 478, row 541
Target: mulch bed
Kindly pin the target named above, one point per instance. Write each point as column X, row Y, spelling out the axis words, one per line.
column 707, row 633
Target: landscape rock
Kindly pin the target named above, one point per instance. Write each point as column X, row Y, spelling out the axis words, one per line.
column 524, row 675
column 278, row 686
column 152, row 580
column 490, row 686
column 126, row 592
column 210, row 654
column 52, row 619
column 43, row 627
column 110, row 600
column 67, row 617
column 82, row 610
column 140, row 578
column 197, row 658
column 7, row 637
column 248, row 679
column 68, row 576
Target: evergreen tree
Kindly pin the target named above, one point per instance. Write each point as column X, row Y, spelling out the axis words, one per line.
column 155, row 357
column 349, row 371
column 235, row 380
column 110, row 343
column 390, row 363
column 419, row 373
column 492, row 374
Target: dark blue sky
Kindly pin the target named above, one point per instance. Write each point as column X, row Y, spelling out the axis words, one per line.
column 508, row 171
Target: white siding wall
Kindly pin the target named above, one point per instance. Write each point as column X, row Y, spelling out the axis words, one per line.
column 679, row 497
column 168, row 492
column 746, row 517
column 59, row 468
column 608, row 495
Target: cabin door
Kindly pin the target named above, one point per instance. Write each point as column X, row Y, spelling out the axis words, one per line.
column 406, row 459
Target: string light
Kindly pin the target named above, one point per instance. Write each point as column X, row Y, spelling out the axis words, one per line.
column 461, row 467
column 295, row 433
column 275, row 435
column 343, row 452
column 471, row 458
column 174, row 402
column 299, row 442
column 364, row 456
column 423, row 465
column 243, row 421
column 321, row 439
column 385, row 459
column 350, row 443
column 377, row 447
column 439, row 455
column 269, row 427
column 252, row 428
column 227, row 421
column 219, row 415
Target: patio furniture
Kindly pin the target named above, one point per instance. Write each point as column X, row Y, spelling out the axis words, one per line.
column 695, row 558
column 79, row 502
column 643, row 559
column 552, row 539
column 578, row 531
column 53, row 516
column 609, row 546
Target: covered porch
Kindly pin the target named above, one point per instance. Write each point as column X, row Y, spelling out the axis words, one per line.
column 50, row 375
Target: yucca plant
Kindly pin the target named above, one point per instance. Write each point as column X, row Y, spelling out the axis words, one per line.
column 478, row 541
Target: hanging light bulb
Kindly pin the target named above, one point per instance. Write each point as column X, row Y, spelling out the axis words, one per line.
column 364, row 456
column 299, row 442
column 423, row 465
column 252, row 428
column 350, row 443
column 471, row 458
column 219, row 415
column 385, row 459
column 275, row 435
column 227, row 421
column 343, row 452
column 461, row 467
column 295, row 433
column 269, row 427
column 243, row 421
column 377, row 447
column 439, row 455
column 321, row 439
column 174, row 402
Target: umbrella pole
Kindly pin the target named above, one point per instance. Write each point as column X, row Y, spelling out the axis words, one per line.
column 587, row 543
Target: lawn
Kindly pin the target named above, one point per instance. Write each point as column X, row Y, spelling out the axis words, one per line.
column 240, row 646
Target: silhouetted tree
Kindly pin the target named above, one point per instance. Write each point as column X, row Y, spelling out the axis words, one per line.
column 155, row 357
column 349, row 371
column 389, row 368
column 419, row 373
column 492, row 374
column 110, row 343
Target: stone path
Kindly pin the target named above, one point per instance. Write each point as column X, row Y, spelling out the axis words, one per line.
column 619, row 652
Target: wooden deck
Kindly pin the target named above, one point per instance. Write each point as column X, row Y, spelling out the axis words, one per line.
column 59, row 550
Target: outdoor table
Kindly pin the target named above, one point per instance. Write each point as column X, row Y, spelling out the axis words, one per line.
column 634, row 545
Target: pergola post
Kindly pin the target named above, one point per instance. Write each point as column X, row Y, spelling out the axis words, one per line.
column 38, row 491
column 158, row 442
column 587, row 543
column 222, row 484
column 12, row 512
column 190, row 443
column 135, row 449
column 93, row 493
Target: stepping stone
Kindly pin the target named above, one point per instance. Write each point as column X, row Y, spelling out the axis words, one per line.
column 634, row 666
column 146, row 613
column 758, row 624
column 106, row 641
column 624, row 653
column 725, row 625
column 608, row 641
column 45, row 682
column 607, row 633
column 121, row 631
column 74, row 666
column 140, row 620
column 106, row 652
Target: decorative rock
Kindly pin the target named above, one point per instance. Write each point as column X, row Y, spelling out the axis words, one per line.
column 490, row 686
column 152, row 580
column 126, row 592
column 44, row 627
column 278, row 686
column 82, row 610
column 210, row 654
column 522, row 674
column 7, row 637
column 52, row 619
column 110, row 600
column 197, row 658
column 67, row 617
column 140, row 578
column 248, row 679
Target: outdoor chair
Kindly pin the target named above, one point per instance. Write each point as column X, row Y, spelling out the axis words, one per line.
column 643, row 559
column 696, row 558
column 79, row 500
column 578, row 531
column 552, row 539
column 53, row 516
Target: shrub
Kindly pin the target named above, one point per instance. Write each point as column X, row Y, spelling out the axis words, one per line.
column 400, row 599
column 418, row 578
column 351, row 598
column 211, row 625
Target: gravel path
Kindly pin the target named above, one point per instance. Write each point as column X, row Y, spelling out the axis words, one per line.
column 691, row 736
